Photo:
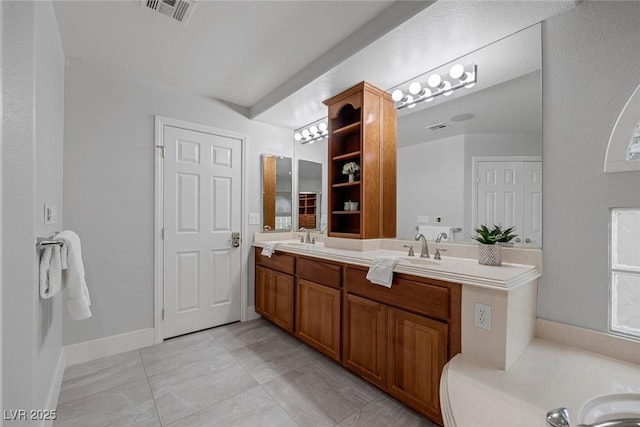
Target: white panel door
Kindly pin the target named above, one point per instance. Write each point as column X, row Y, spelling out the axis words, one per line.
column 202, row 188
column 499, row 194
column 509, row 193
column 532, row 199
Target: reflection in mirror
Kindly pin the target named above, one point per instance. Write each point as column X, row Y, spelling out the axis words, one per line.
column 276, row 193
column 309, row 194
column 475, row 157
column 494, row 128
column 311, row 172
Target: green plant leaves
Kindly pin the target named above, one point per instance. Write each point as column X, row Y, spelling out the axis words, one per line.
column 491, row 236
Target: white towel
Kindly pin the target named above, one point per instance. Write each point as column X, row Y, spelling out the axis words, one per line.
column 381, row 270
column 50, row 271
column 78, row 301
column 268, row 249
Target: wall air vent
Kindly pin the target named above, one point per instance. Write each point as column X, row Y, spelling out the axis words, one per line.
column 437, row 126
column 180, row 10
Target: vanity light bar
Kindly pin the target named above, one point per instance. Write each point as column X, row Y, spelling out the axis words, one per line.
column 313, row 133
column 458, row 77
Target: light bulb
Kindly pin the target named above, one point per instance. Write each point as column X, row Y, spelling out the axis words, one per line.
column 305, row 133
column 313, row 130
column 426, row 92
column 429, row 99
column 457, row 71
column 470, row 77
column 397, row 95
column 434, row 80
column 297, row 136
column 446, row 88
column 312, row 141
column 414, row 88
column 325, row 132
column 409, row 101
column 322, row 126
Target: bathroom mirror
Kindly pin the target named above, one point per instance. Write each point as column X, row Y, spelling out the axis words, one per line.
column 493, row 129
column 310, row 185
column 276, row 193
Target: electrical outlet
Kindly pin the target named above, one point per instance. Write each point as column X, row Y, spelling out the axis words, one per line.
column 254, row 219
column 421, row 219
column 482, row 316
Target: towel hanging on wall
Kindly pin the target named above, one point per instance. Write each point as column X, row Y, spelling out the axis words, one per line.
column 50, row 272
column 78, row 301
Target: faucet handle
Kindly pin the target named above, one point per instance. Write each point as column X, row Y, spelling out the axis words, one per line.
column 558, row 418
column 301, row 239
column 436, row 256
column 410, row 249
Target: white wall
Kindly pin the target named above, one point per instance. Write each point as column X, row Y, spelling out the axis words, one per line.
column 108, row 181
column 430, row 182
column 591, row 58
column 33, row 103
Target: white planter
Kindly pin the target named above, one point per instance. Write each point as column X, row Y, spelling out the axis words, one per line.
column 352, row 177
column 490, row 254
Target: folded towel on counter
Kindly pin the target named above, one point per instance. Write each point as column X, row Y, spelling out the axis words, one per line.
column 268, row 249
column 78, row 301
column 381, row 270
column 50, row 271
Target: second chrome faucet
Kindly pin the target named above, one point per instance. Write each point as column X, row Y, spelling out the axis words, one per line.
column 424, row 253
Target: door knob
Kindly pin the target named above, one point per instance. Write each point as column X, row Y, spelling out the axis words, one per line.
column 527, row 240
column 518, row 240
column 235, row 239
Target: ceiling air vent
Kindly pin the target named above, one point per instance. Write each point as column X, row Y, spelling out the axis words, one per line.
column 180, row 10
column 437, row 126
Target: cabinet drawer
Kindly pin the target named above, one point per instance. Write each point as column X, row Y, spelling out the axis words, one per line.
column 320, row 272
column 424, row 296
column 278, row 261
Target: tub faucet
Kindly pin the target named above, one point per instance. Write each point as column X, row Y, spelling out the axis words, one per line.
column 424, row 253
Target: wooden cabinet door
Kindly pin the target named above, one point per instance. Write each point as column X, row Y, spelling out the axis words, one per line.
column 318, row 317
column 263, row 290
column 282, row 308
column 364, row 334
column 274, row 297
column 417, row 353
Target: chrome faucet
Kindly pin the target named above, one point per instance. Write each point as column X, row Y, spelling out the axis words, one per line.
column 441, row 236
column 424, row 253
column 308, row 238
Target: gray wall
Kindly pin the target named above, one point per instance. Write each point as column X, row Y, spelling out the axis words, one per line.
column 591, row 58
column 33, row 104
column 108, row 182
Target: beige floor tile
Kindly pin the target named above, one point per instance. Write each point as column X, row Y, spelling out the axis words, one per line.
column 385, row 412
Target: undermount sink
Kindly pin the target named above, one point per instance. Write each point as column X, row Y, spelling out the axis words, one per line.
column 416, row 260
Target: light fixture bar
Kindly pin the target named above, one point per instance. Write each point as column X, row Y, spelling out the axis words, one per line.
column 459, row 76
column 309, row 134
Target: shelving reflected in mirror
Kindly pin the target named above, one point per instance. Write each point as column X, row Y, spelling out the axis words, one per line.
column 277, row 204
column 310, row 184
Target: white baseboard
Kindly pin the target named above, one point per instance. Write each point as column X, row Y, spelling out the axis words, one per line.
column 54, row 391
column 251, row 313
column 90, row 350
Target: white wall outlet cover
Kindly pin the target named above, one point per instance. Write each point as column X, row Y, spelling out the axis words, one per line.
column 254, row 219
column 482, row 316
column 50, row 214
column 422, row 219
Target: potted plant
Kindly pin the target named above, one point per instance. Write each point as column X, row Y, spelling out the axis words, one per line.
column 491, row 241
column 351, row 169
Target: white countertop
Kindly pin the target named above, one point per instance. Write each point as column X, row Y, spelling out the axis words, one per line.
column 457, row 270
column 546, row 376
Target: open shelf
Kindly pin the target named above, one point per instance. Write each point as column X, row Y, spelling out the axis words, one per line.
column 350, row 128
column 345, row 184
column 347, row 156
column 345, row 212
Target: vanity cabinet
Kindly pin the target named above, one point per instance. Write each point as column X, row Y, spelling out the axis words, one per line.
column 362, row 129
column 318, row 303
column 275, row 289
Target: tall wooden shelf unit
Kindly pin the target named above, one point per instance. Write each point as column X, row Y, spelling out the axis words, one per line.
column 362, row 129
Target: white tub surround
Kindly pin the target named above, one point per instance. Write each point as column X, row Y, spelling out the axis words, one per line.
column 546, row 376
column 510, row 290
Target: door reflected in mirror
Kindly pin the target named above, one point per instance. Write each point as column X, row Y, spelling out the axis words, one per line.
column 276, row 193
column 309, row 194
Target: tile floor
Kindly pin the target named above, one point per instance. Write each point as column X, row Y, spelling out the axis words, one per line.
column 242, row 374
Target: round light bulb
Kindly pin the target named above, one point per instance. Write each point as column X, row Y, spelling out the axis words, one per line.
column 470, row 77
column 312, row 141
column 426, row 92
column 313, row 130
column 297, row 136
column 414, row 88
column 429, row 99
column 305, row 133
column 409, row 101
column 397, row 95
column 457, row 71
column 434, row 80
column 446, row 88
column 322, row 126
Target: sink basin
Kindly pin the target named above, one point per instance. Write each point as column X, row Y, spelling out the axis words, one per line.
column 416, row 260
column 611, row 407
column 299, row 245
